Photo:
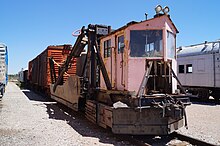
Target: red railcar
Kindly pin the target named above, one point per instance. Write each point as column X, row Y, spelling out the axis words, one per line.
column 39, row 69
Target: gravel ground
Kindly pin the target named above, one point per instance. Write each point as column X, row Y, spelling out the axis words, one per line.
column 28, row 119
column 203, row 122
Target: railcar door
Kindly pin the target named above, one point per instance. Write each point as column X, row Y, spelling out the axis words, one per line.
column 120, row 81
column 217, row 70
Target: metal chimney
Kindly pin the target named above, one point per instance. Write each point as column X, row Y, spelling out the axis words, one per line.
column 146, row 16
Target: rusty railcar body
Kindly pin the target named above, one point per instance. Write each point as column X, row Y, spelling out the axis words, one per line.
column 39, row 69
column 127, row 79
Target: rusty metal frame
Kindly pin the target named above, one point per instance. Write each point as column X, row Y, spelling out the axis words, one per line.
column 52, row 70
column 88, row 36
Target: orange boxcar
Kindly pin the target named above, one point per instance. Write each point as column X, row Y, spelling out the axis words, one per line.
column 39, row 69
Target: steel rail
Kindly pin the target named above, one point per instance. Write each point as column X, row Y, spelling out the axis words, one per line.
column 191, row 140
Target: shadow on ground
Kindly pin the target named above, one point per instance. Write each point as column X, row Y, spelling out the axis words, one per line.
column 75, row 119
column 35, row 96
column 210, row 102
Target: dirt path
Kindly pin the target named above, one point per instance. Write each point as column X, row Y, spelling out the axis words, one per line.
column 28, row 119
column 203, row 122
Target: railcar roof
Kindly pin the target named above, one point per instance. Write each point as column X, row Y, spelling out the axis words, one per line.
column 135, row 22
column 203, row 48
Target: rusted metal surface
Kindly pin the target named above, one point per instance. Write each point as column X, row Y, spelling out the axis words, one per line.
column 145, row 114
column 154, row 111
column 68, row 93
column 38, row 68
column 99, row 113
column 126, row 72
column 146, row 121
column 105, row 116
column 90, row 111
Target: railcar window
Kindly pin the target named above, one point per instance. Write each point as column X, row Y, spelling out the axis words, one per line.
column 181, row 69
column 107, row 48
column 121, row 44
column 189, row 68
column 146, row 43
column 171, row 45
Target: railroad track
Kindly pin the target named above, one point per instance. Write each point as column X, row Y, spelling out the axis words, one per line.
column 191, row 140
column 174, row 139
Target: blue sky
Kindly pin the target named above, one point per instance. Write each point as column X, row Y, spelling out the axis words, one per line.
column 27, row 27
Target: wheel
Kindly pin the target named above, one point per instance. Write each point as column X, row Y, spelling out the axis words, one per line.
column 203, row 94
column 216, row 97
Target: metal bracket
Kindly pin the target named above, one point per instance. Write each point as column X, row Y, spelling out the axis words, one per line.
column 144, row 82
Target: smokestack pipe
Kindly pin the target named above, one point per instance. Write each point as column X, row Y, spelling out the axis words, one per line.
column 146, row 16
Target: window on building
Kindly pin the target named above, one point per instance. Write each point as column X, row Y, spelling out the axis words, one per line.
column 121, row 44
column 181, row 69
column 107, row 48
column 189, row 68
